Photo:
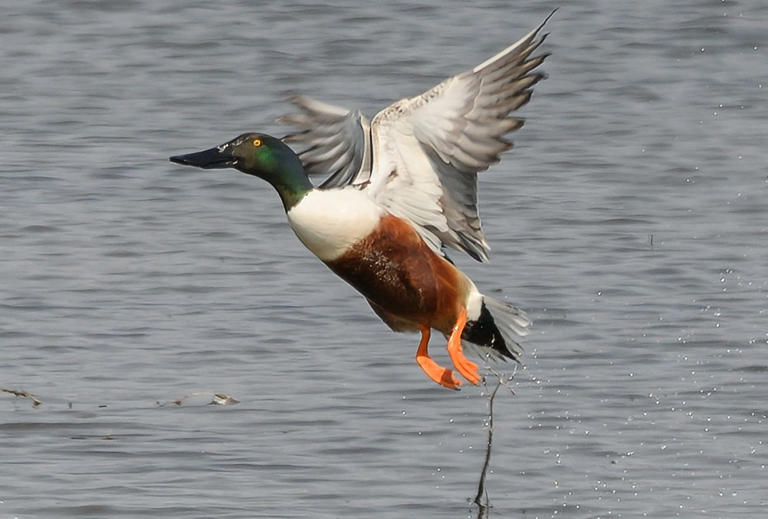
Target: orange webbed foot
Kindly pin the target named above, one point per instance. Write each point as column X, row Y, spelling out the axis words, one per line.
column 439, row 374
column 436, row 372
column 466, row 367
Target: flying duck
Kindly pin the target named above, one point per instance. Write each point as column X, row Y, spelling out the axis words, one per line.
column 400, row 189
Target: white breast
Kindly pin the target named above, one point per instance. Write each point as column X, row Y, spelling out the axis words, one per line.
column 328, row 222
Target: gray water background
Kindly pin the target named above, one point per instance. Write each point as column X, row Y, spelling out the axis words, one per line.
column 630, row 221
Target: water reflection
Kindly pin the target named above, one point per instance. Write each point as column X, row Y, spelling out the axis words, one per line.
column 482, row 500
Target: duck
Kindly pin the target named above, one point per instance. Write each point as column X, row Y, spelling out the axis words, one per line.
column 399, row 191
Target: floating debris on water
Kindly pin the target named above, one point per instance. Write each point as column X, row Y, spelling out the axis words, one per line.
column 203, row 398
column 22, row 394
column 224, row 399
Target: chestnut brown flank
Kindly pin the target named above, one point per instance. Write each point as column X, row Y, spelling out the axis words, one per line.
column 405, row 282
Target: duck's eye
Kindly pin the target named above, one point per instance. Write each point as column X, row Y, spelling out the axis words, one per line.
column 256, row 143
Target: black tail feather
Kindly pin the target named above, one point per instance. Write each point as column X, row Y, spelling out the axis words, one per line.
column 492, row 331
column 484, row 332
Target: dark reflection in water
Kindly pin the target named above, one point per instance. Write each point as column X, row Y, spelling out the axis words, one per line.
column 482, row 500
column 481, row 497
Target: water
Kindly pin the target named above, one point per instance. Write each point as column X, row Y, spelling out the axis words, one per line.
column 630, row 221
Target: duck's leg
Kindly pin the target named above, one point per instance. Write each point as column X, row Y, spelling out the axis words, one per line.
column 439, row 374
column 467, row 368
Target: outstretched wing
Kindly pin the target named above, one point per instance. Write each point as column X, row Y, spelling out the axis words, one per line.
column 335, row 141
column 419, row 157
column 428, row 149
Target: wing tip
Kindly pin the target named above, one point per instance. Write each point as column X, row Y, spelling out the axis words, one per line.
column 519, row 43
column 550, row 15
column 292, row 96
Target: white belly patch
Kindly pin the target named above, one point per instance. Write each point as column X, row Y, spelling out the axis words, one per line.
column 329, row 222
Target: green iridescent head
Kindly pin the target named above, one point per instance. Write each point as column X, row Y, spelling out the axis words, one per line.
column 260, row 155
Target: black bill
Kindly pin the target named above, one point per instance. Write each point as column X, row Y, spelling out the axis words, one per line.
column 219, row 157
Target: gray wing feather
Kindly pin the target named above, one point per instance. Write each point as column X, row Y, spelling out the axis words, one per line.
column 444, row 137
column 420, row 156
column 332, row 140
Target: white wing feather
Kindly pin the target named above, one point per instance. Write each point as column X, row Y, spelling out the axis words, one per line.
column 420, row 156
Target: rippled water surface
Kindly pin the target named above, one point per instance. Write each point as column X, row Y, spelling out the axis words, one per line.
column 631, row 221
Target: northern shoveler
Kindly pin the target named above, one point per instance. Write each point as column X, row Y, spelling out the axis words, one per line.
column 402, row 187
